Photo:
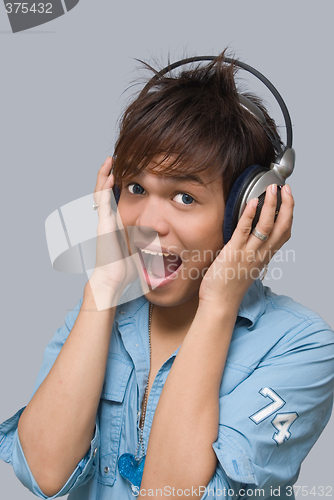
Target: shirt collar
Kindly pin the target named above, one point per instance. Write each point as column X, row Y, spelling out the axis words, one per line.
column 253, row 304
column 251, row 308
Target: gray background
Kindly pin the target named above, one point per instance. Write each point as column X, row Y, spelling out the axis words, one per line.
column 61, row 93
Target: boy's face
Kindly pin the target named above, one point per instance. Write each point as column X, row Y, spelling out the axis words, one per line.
column 182, row 215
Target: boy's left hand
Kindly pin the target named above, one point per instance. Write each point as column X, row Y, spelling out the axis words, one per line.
column 241, row 260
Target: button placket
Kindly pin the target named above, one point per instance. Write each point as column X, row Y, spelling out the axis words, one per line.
column 154, row 395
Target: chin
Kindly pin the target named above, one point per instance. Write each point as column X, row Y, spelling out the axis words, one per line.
column 171, row 298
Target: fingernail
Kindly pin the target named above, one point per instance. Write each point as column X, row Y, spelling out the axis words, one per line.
column 288, row 188
column 274, row 188
column 254, row 202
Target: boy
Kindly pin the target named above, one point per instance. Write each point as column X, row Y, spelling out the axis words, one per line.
column 105, row 421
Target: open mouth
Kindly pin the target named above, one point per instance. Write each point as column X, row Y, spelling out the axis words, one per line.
column 159, row 265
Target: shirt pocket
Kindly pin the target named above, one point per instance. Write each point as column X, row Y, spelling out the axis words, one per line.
column 111, row 415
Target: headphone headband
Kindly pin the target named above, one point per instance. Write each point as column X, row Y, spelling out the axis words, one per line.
column 245, row 67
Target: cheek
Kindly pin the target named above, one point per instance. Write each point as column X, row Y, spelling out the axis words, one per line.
column 207, row 235
column 201, row 251
column 125, row 213
column 214, row 231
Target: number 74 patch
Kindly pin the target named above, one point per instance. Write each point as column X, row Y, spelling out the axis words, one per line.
column 282, row 421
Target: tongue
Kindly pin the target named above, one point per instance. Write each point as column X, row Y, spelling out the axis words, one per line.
column 164, row 266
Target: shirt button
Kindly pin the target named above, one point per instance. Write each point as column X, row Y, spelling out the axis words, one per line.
column 106, row 470
column 94, row 453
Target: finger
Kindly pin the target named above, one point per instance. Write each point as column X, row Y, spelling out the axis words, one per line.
column 266, row 221
column 241, row 233
column 102, row 176
column 104, row 210
column 282, row 227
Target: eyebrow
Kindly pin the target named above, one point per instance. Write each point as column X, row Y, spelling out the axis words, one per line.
column 187, row 177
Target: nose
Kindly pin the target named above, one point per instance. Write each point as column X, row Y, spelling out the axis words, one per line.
column 153, row 217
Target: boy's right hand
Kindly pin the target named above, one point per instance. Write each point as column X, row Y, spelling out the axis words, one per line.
column 114, row 268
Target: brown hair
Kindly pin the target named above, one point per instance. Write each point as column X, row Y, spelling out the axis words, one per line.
column 194, row 119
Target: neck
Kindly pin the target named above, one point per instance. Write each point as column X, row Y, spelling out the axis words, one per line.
column 177, row 318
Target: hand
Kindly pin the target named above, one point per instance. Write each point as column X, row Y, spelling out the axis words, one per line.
column 241, row 260
column 114, row 268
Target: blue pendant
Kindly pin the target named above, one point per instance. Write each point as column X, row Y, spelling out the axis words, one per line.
column 132, row 470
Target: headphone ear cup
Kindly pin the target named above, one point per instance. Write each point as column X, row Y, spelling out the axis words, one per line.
column 234, row 201
column 236, row 198
column 261, row 203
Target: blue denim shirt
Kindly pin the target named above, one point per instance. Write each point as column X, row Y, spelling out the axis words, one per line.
column 275, row 399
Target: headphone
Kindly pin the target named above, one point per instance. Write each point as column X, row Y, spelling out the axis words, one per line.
column 255, row 179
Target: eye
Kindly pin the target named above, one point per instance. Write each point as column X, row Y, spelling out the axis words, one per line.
column 184, row 199
column 135, row 188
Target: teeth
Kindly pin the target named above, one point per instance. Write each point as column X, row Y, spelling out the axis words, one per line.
column 149, row 268
column 150, row 252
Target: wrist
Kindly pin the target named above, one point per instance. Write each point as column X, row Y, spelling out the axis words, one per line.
column 101, row 295
column 219, row 311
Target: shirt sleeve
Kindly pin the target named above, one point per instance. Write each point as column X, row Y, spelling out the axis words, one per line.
column 10, row 446
column 271, row 420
